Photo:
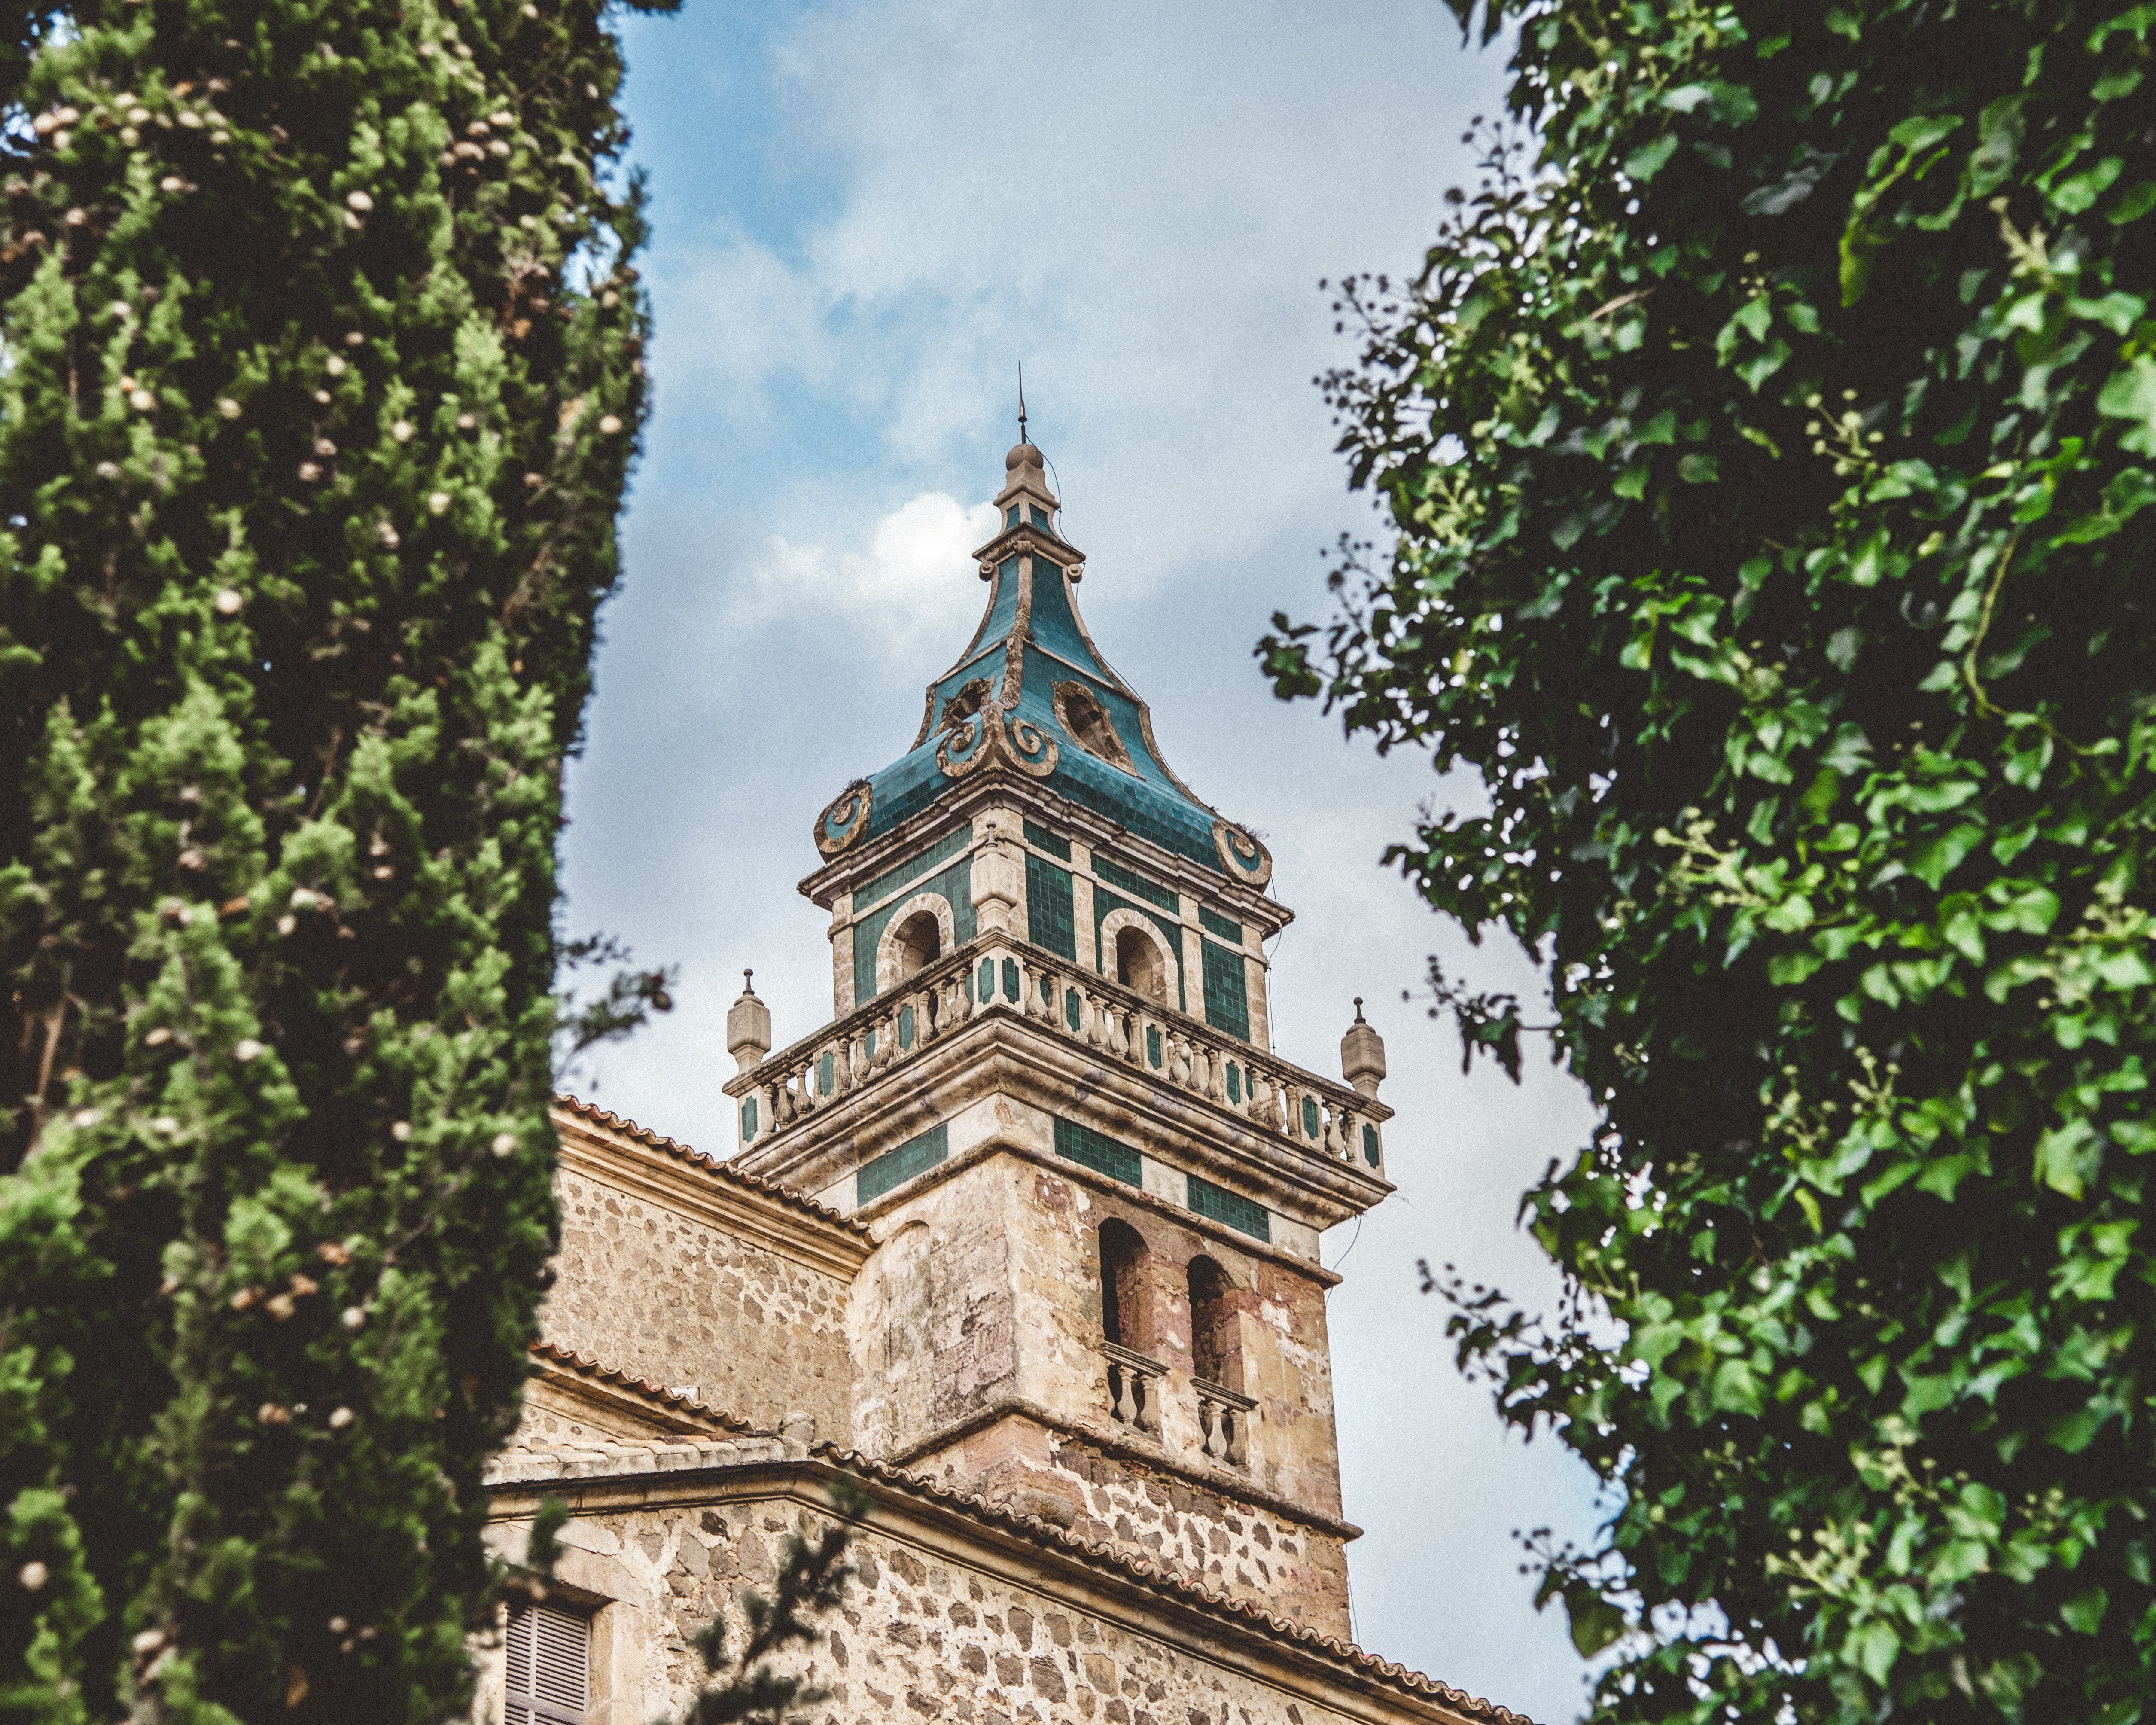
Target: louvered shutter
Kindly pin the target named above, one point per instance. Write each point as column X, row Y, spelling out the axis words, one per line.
column 550, row 1664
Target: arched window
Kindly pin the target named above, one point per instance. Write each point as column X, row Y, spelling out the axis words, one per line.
column 919, row 943
column 1123, row 1307
column 1214, row 1355
column 1138, row 965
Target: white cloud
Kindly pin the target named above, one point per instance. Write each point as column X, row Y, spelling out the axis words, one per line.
column 914, row 586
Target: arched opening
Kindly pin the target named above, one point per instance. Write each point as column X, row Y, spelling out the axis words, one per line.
column 1123, row 1307
column 1212, row 1352
column 1138, row 965
column 918, row 943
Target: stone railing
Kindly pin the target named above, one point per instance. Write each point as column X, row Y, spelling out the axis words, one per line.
column 1133, row 1392
column 1224, row 1420
column 996, row 974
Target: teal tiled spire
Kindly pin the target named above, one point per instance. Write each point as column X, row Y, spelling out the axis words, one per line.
column 1032, row 694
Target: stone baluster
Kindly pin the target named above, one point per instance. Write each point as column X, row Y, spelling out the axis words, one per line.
column 1339, row 1133
column 1179, row 1064
column 1119, row 1039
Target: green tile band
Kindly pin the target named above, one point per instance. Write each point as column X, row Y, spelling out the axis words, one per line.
column 1116, row 875
column 1099, row 1152
column 922, row 862
column 1215, row 923
column 1042, row 839
column 1370, row 1144
column 1232, row 1208
column 895, row 1168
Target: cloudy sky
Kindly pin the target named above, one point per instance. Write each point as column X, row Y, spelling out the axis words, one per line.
column 866, row 216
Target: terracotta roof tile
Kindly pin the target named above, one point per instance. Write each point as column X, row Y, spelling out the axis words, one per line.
column 644, row 1135
column 1163, row 1580
column 672, row 1400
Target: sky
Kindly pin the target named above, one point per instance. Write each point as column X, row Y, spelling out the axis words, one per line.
column 865, row 217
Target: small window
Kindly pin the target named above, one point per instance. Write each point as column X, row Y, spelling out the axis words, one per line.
column 550, row 1666
column 1139, row 965
column 1122, row 1312
column 920, row 943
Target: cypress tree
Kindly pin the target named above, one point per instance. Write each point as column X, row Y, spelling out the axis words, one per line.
column 320, row 387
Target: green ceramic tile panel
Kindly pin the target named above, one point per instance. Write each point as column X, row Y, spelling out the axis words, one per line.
column 1051, row 922
column 1042, row 838
column 1234, row 1083
column 895, row 1168
column 1010, row 981
column 1370, row 1144
column 914, row 867
column 1116, row 875
column 1237, row 1211
column 1104, row 902
column 1010, row 516
column 826, row 1072
column 906, row 1027
column 748, row 1120
column 1214, row 922
column 1039, row 517
column 1099, row 1152
column 1309, row 1117
column 955, row 884
column 1070, row 1009
column 1152, row 1046
column 1227, row 995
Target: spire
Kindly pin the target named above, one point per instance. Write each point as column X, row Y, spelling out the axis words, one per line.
column 1362, row 1055
column 748, row 1027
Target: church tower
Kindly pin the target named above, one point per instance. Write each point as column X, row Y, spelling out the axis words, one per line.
column 1048, row 1090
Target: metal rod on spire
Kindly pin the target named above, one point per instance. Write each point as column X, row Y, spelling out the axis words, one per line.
column 1021, row 400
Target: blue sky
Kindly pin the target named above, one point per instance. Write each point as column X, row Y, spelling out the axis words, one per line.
column 864, row 217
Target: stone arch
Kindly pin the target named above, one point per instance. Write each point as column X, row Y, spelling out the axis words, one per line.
column 1134, row 953
column 920, row 931
column 1123, row 1313
column 1216, row 1352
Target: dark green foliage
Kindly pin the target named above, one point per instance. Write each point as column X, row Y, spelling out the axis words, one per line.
column 320, row 388
column 811, row 1583
column 1769, row 445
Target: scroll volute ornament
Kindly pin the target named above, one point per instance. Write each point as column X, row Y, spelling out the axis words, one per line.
column 1243, row 856
column 977, row 732
column 845, row 820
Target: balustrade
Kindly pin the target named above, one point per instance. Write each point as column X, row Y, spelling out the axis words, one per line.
column 1133, row 1392
column 1223, row 1422
column 1121, row 1026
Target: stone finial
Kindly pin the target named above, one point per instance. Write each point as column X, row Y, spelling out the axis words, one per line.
column 748, row 1027
column 1362, row 1055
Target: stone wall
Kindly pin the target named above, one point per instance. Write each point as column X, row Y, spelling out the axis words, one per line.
column 647, row 1287
column 977, row 1337
column 928, row 1631
column 1276, row 1562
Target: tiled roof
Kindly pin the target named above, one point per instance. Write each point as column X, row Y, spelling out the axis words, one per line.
column 1153, row 1575
column 673, row 1401
column 600, row 1461
column 610, row 1121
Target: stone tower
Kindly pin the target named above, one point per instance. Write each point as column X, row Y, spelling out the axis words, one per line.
column 1048, row 1088
column 1022, row 1244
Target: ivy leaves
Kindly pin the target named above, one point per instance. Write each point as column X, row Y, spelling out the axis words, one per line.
column 1767, row 444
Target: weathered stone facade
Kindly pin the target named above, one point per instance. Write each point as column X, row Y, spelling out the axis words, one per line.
column 1026, row 1241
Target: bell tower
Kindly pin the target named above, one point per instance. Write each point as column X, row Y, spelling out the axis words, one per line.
column 1049, row 1088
